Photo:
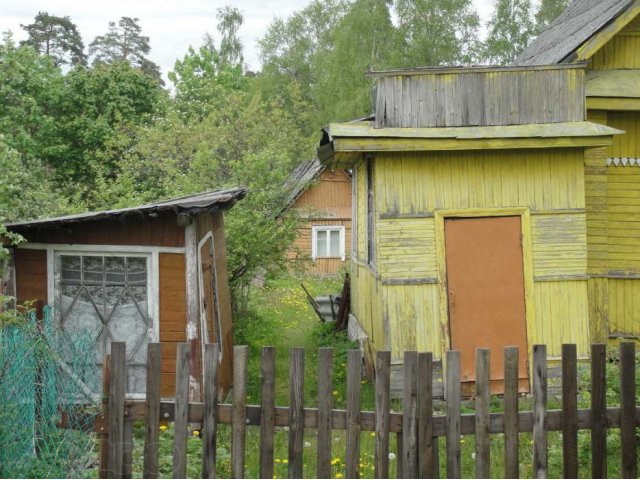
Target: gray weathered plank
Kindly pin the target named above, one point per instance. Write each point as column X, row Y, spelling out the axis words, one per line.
column 268, row 404
column 325, row 405
column 399, row 455
column 181, row 421
column 410, row 416
column 383, row 399
column 127, row 449
column 627, row 410
column 152, row 411
column 116, row 408
column 570, row 410
column 103, row 429
column 210, row 420
column 354, row 369
column 540, row 467
column 426, row 458
column 296, row 412
column 483, row 391
column 511, row 446
column 454, row 464
column 598, row 411
column 239, row 412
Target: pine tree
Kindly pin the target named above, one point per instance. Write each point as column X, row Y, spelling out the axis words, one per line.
column 56, row 37
column 548, row 11
column 124, row 42
column 510, row 31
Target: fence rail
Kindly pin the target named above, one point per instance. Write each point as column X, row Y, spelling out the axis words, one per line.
column 417, row 429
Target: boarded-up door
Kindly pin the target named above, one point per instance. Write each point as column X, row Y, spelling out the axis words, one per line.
column 485, row 280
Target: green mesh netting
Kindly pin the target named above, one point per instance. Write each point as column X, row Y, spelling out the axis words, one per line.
column 48, row 403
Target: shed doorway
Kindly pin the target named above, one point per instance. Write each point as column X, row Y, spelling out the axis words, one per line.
column 486, row 294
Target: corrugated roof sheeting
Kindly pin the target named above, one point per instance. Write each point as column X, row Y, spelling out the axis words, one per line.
column 579, row 22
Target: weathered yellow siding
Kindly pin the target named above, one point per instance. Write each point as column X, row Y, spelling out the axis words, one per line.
column 561, row 316
column 361, row 213
column 627, row 145
column 414, row 319
column 410, row 188
column 622, row 51
column 624, row 307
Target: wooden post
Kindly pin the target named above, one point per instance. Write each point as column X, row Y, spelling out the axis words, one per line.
column 181, row 419
column 383, row 400
column 325, row 405
column 127, row 448
column 193, row 304
column 116, row 408
column 103, row 430
column 296, row 412
column 210, row 414
column 409, row 416
column 354, row 368
column 152, row 410
column 511, row 446
column 239, row 414
column 598, row 411
column 628, row 410
column 426, row 452
column 540, row 468
column 267, row 416
column 454, row 465
column 570, row 410
column 483, row 392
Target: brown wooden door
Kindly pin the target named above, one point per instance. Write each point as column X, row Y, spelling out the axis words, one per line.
column 485, row 281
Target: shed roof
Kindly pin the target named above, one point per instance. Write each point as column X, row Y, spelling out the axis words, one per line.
column 580, row 21
column 301, row 177
column 191, row 204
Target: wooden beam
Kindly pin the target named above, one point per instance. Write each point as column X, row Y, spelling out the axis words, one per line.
column 612, row 103
column 193, row 305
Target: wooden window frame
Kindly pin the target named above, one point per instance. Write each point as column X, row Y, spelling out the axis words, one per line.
column 329, row 228
column 204, row 337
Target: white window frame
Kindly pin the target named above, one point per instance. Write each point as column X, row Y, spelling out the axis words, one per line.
column 329, row 228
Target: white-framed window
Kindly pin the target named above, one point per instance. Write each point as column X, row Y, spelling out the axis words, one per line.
column 108, row 297
column 327, row 242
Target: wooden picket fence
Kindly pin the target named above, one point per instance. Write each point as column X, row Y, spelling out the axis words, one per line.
column 417, row 428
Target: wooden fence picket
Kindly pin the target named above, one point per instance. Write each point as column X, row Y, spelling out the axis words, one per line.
column 325, row 406
column 628, row 410
column 454, row 393
column 103, row 425
column 510, row 406
column 152, row 411
column 483, row 392
column 417, row 430
column 181, row 421
column 296, row 412
column 598, row 411
column 116, row 408
column 210, row 414
column 540, row 466
column 383, row 401
column 410, row 416
column 239, row 412
column 268, row 410
column 354, row 374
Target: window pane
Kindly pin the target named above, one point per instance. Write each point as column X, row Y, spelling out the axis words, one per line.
column 334, row 248
column 321, row 243
column 92, row 269
column 70, row 269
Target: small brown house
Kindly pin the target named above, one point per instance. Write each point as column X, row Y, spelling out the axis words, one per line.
column 322, row 197
column 153, row 273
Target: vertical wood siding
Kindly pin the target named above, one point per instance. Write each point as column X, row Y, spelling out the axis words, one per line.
column 31, row 277
column 622, row 51
column 412, row 186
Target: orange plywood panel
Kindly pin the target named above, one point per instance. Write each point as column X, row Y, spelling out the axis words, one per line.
column 485, row 281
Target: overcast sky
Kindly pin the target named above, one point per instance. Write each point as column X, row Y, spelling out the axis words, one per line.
column 171, row 25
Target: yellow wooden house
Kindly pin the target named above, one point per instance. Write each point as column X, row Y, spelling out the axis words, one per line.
column 606, row 35
column 471, row 214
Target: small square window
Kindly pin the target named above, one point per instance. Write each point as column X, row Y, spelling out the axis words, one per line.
column 328, row 242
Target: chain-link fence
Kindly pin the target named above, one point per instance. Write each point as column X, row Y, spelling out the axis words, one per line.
column 48, row 401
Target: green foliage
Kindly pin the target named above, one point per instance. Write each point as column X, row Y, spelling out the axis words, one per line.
column 231, row 51
column 547, row 12
column 124, row 42
column 57, row 38
column 437, row 32
column 510, row 31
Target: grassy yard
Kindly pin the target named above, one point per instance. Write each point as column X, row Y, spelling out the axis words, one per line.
column 278, row 315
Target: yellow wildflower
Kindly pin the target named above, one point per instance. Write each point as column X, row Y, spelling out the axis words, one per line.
column 278, row 460
column 285, row 461
column 196, row 433
column 163, row 428
column 338, row 475
column 335, row 392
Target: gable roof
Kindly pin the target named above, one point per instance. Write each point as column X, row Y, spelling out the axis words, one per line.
column 191, row 204
column 300, row 179
column 580, row 21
